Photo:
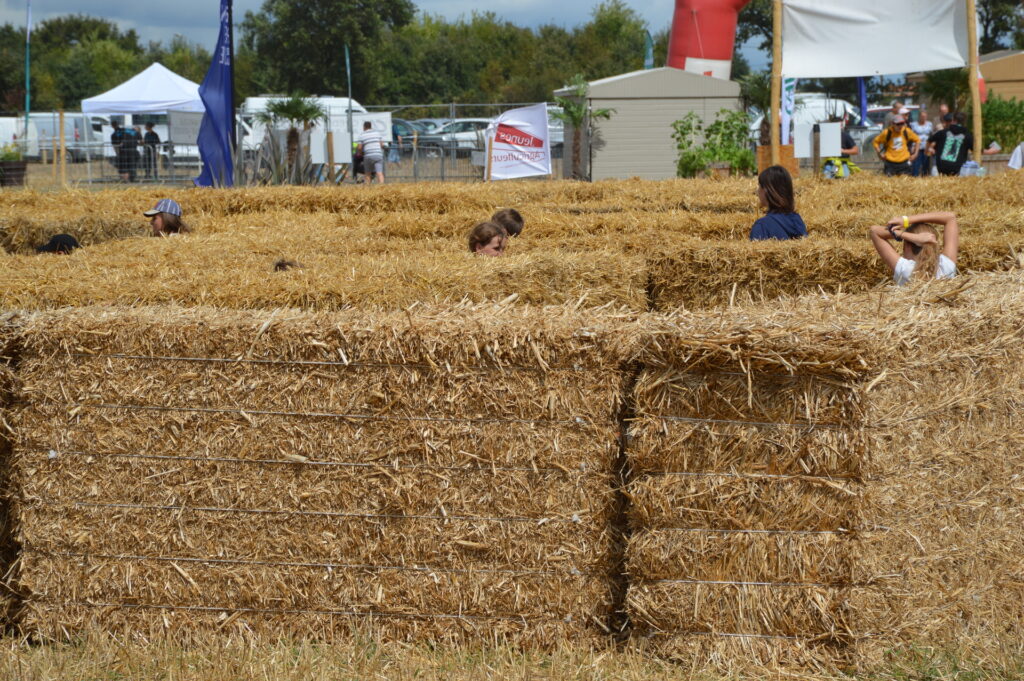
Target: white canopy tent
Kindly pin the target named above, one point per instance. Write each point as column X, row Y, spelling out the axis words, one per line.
column 155, row 90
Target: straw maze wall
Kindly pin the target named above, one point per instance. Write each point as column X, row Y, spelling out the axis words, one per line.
column 460, row 476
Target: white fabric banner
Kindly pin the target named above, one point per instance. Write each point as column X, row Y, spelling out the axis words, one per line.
column 788, row 106
column 839, row 38
column 519, row 143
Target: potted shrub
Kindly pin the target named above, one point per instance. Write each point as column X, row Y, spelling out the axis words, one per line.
column 12, row 166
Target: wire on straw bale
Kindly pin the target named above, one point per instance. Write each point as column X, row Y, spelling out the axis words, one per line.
column 440, row 472
column 863, row 493
column 744, row 488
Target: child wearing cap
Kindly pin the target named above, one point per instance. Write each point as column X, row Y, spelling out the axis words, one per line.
column 165, row 218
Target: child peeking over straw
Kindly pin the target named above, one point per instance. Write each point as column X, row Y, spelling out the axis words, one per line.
column 922, row 258
column 165, row 218
column 510, row 220
column 775, row 192
column 488, row 238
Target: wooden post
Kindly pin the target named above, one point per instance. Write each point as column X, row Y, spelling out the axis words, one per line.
column 776, row 78
column 63, row 154
column 490, row 146
column 330, row 156
column 972, row 65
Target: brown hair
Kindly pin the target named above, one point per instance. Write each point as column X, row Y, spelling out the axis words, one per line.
column 510, row 220
column 173, row 224
column 778, row 189
column 927, row 260
column 482, row 234
column 283, row 265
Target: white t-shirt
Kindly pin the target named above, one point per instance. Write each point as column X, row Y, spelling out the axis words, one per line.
column 1017, row 157
column 371, row 141
column 905, row 268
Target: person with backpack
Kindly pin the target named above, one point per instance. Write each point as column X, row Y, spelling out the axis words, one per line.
column 897, row 146
column 951, row 144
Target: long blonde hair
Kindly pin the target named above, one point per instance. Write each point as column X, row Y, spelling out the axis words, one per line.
column 927, row 260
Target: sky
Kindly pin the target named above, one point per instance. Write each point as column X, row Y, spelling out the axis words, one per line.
column 197, row 19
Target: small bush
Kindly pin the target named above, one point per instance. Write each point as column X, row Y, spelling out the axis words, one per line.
column 726, row 140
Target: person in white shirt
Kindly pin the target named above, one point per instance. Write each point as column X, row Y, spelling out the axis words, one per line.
column 371, row 144
column 1016, row 161
column 922, row 258
column 922, row 166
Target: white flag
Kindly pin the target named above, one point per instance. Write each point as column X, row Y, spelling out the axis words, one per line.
column 518, row 143
column 788, row 106
column 839, row 38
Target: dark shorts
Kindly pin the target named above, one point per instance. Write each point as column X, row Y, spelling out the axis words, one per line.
column 897, row 168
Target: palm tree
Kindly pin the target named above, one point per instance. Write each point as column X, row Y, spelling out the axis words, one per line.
column 577, row 113
column 297, row 111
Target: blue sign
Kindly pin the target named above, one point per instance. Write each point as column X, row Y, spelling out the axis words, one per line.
column 217, row 92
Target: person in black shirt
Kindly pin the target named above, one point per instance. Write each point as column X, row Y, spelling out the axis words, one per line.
column 951, row 144
column 118, row 142
column 150, row 153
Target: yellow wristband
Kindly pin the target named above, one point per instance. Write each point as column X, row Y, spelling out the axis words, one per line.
column 906, row 222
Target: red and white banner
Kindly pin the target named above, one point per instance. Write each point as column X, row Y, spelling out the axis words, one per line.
column 518, row 143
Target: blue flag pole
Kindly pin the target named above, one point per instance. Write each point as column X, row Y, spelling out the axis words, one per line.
column 862, row 93
column 216, row 133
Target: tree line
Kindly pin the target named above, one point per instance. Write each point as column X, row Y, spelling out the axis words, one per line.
column 398, row 55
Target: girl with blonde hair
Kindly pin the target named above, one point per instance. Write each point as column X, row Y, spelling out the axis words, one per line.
column 922, row 257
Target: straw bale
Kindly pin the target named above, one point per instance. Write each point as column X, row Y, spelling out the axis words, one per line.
column 435, row 466
column 919, row 390
column 662, row 554
column 405, row 243
column 699, row 274
column 806, row 612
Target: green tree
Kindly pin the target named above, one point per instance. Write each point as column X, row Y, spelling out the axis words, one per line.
column 576, row 112
column 301, row 43
column 296, row 110
column 188, row 60
column 998, row 21
column 947, row 86
column 612, row 42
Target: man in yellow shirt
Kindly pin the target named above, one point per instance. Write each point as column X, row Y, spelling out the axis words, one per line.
column 898, row 146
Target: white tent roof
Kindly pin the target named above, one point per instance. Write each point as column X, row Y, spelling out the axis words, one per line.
column 155, row 90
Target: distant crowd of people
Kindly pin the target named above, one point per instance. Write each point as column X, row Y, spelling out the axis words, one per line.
column 907, row 147
column 127, row 157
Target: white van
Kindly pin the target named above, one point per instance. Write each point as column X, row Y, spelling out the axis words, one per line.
column 82, row 134
column 252, row 132
column 12, row 129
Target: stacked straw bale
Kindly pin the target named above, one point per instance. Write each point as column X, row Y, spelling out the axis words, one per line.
column 746, row 458
column 392, row 246
column 822, row 482
column 9, row 336
column 440, row 474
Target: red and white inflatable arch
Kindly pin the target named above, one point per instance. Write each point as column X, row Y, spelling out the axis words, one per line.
column 703, row 35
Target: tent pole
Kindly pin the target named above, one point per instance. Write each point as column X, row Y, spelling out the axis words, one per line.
column 972, row 65
column 776, row 79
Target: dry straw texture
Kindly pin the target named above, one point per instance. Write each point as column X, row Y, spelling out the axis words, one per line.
column 816, row 484
column 439, row 475
column 395, row 245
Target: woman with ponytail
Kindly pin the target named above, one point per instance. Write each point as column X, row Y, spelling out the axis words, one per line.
column 922, row 258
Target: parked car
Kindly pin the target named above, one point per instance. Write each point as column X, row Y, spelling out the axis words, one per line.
column 462, row 133
column 432, row 125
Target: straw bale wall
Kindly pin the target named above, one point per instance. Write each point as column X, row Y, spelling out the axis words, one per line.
column 820, row 483
column 439, row 474
column 746, row 459
column 397, row 245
